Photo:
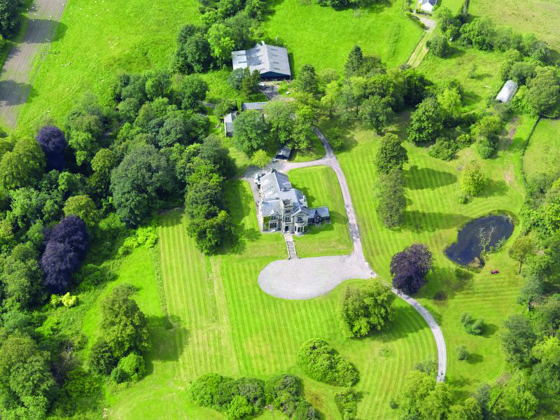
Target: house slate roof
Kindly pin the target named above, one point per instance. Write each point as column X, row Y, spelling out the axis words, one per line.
column 228, row 122
column 267, row 59
column 284, row 153
column 430, row 2
column 276, row 187
column 507, row 92
column 259, row 106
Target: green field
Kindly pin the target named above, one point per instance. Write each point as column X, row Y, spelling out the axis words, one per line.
column 98, row 40
column 543, row 153
column 433, row 217
column 486, row 84
column 539, row 17
column 323, row 37
column 223, row 322
column 321, row 188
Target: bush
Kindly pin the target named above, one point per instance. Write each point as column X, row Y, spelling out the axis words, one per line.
column 444, row 149
column 321, row 362
column 472, row 326
column 102, row 360
column 131, row 368
column 347, row 403
column 462, row 353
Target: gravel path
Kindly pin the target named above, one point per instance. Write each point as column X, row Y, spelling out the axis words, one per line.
column 15, row 82
column 307, row 278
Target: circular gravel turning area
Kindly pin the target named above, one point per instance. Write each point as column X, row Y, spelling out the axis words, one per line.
column 307, row 278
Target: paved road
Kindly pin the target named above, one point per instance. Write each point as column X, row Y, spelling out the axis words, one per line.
column 15, row 79
column 291, row 279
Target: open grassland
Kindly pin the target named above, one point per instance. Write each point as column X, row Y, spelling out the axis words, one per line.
column 98, row 40
column 320, row 186
column 486, row 82
column 543, row 152
column 323, row 37
column 222, row 322
column 433, row 217
column 539, row 17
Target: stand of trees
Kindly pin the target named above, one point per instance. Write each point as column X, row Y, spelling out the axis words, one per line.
column 246, row 397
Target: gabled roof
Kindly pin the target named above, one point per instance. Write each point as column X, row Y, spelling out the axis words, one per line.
column 508, row 91
column 228, row 122
column 269, row 60
column 430, row 2
column 259, row 106
column 276, row 187
column 284, row 153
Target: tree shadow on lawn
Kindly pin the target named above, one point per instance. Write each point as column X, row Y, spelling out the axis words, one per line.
column 475, row 358
column 427, row 178
column 489, row 330
column 495, row 188
column 418, row 221
column 443, row 284
column 168, row 339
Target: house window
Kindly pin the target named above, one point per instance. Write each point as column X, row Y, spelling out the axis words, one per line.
column 287, row 211
column 300, row 220
column 273, row 225
column 272, row 217
column 299, row 230
column 287, row 219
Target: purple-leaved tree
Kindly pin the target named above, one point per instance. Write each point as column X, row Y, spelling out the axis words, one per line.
column 410, row 267
column 65, row 246
column 53, row 142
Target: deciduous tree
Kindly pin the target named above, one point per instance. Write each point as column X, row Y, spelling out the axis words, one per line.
column 363, row 310
column 410, row 267
column 53, row 142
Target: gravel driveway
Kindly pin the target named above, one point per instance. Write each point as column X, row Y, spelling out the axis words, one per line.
column 15, row 79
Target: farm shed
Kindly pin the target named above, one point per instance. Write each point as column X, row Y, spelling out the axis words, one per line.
column 272, row 62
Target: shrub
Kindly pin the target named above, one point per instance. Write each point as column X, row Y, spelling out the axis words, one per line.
column 347, row 403
column 472, row 326
column 444, row 149
column 321, row 362
column 462, row 353
column 131, row 368
column 102, row 360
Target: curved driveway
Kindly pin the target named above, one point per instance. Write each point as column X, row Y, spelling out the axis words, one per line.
column 289, row 279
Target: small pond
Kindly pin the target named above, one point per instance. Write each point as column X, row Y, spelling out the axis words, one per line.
column 478, row 236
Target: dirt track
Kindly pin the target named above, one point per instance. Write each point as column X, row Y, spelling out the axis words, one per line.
column 15, row 79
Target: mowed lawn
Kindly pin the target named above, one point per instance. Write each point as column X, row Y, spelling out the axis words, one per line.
column 223, row 322
column 539, row 17
column 543, row 152
column 433, row 217
column 98, row 40
column 320, row 186
column 323, row 37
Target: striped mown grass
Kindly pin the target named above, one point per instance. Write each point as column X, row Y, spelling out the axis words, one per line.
column 223, row 322
column 433, row 217
column 320, row 186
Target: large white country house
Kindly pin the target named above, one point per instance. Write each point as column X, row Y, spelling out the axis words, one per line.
column 283, row 208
